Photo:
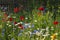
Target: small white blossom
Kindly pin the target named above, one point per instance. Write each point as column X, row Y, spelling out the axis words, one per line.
column 10, row 25
column 52, row 28
column 8, row 16
column 37, row 33
column 7, row 24
column 35, row 20
column 8, row 21
column 26, row 23
column 29, row 26
column 37, row 28
column 16, row 24
column 56, row 33
column 26, row 18
column 21, row 22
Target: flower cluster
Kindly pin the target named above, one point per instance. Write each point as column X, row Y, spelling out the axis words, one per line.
column 37, row 26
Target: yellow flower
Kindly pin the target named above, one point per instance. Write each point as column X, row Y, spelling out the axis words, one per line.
column 53, row 36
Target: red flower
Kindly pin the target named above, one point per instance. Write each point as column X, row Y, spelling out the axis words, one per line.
column 41, row 8
column 15, row 22
column 21, row 26
column 10, row 19
column 16, row 10
column 21, row 18
column 55, row 22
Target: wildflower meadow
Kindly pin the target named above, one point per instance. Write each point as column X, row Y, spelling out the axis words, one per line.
column 39, row 23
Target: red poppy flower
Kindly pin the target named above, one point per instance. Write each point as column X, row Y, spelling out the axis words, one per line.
column 55, row 22
column 15, row 22
column 10, row 19
column 16, row 10
column 21, row 18
column 41, row 8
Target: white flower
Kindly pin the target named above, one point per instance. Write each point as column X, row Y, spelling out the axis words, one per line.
column 16, row 24
column 26, row 18
column 37, row 28
column 56, row 33
column 8, row 21
column 10, row 25
column 35, row 20
column 21, row 22
column 7, row 24
column 47, row 28
column 26, row 23
column 37, row 33
column 8, row 16
column 41, row 32
column 52, row 28
column 29, row 26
